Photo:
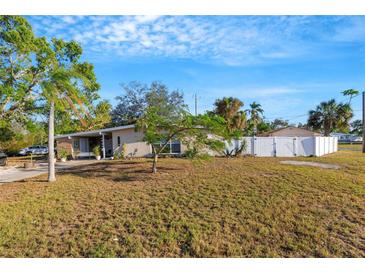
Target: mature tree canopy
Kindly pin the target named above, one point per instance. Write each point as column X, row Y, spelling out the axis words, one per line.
column 34, row 72
column 44, row 75
column 97, row 117
column 138, row 97
column 264, row 126
column 23, row 61
column 20, row 136
column 330, row 117
column 230, row 109
column 279, row 123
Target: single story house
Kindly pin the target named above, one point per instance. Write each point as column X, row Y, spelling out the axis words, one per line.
column 111, row 140
column 285, row 142
column 290, row 132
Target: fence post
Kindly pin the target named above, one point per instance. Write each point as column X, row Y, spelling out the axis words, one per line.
column 295, row 146
column 274, row 140
column 314, row 146
column 253, row 146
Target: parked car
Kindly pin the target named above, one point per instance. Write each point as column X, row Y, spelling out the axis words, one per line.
column 36, row 150
column 23, row 151
column 3, row 159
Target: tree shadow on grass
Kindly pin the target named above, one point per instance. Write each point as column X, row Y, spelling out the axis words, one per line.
column 126, row 171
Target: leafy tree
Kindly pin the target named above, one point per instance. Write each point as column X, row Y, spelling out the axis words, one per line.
column 21, row 136
column 23, row 60
column 235, row 122
column 229, row 109
column 356, row 127
column 96, row 117
column 330, row 116
column 279, row 123
column 27, row 65
column 138, row 97
column 263, row 126
column 256, row 111
column 351, row 93
column 160, row 130
column 100, row 115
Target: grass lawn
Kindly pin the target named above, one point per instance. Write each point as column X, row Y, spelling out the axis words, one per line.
column 354, row 147
column 249, row 207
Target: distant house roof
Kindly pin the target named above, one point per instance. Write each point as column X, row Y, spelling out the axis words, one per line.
column 289, row 132
column 93, row 132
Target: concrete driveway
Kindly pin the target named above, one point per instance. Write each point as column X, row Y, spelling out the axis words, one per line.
column 15, row 174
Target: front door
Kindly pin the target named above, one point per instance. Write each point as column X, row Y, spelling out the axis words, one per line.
column 84, row 145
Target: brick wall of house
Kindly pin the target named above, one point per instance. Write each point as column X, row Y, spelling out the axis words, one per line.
column 66, row 144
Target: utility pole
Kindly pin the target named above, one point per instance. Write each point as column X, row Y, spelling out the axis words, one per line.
column 363, row 122
column 196, row 104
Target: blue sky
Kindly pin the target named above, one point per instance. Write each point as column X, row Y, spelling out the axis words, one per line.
column 286, row 63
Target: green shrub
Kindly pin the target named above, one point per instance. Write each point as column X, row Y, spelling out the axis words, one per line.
column 122, row 153
column 63, row 153
column 124, row 150
column 96, row 150
column 117, row 155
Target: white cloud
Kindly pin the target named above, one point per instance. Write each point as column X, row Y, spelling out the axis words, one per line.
column 146, row 18
column 228, row 40
column 69, row 19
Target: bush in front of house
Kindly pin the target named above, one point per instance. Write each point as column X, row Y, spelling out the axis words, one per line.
column 96, row 151
column 63, row 154
column 120, row 153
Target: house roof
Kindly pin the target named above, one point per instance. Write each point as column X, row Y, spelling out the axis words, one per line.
column 270, row 133
column 93, row 132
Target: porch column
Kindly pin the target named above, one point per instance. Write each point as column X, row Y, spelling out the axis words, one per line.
column 103, row 144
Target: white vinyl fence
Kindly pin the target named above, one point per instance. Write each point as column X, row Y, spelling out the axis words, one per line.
column 286, row 146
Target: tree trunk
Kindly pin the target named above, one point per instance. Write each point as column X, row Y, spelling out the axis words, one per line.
column 51, row 163
column 154, row 165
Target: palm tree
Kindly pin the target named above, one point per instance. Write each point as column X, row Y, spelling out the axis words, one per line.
column 57, row 91
column 65, row 86
column 256, row 111
column 330, row 116
column 229, row 109
column 351, row 93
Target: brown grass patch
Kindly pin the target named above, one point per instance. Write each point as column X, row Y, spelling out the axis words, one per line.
column 250, row 207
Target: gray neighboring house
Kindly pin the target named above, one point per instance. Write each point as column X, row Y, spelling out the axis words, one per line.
column 111, row 140
column 347, row 137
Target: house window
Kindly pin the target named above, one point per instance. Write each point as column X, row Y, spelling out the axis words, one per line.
column 76, row 144
column 173, row 147
column 118, row 140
